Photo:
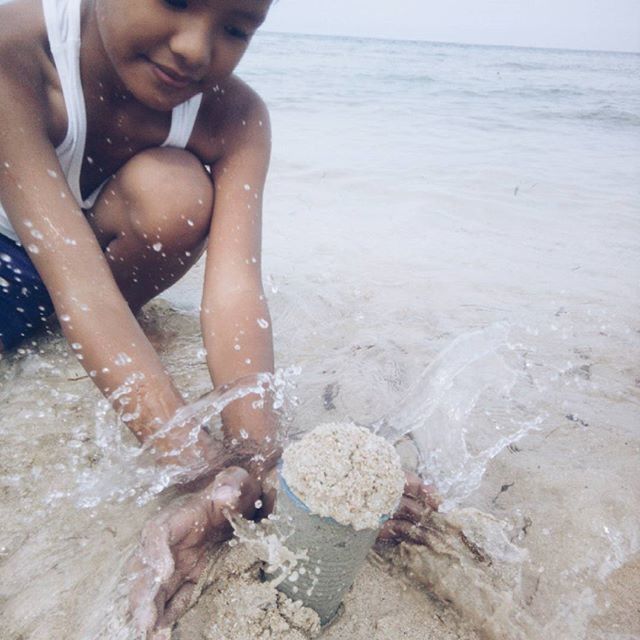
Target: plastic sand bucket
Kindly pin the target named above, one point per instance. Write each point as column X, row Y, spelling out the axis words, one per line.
column 335, row 554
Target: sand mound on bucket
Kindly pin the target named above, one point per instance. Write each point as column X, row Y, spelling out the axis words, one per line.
column 346, row 473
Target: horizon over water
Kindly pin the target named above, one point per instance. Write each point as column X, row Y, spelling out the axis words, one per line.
column 447, row 42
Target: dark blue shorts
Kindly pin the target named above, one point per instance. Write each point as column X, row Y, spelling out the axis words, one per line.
column 24, row 301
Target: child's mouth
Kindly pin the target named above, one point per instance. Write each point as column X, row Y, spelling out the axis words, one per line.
column 169, row 77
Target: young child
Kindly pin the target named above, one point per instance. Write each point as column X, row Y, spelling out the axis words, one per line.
column 127, row 148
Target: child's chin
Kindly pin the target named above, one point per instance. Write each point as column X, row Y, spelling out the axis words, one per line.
column 160, row 101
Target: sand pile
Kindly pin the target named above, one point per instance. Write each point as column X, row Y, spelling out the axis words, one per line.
column 345, row 472
column 236, row 603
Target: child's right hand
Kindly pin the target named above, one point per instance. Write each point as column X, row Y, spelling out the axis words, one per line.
column 172, row 553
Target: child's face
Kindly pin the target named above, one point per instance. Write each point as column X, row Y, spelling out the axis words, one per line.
column 165, row 51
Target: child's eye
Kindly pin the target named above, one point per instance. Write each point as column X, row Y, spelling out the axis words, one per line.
column 176, row 4
column 237, row 33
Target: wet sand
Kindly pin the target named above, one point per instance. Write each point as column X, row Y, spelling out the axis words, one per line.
column 545, row 548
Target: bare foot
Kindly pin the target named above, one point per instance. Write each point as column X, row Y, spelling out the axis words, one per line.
column 172, row 553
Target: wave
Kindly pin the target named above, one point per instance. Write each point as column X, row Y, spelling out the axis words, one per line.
column 608, row 115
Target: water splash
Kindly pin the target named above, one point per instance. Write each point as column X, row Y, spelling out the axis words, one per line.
column 122, row 469
column 463, row 411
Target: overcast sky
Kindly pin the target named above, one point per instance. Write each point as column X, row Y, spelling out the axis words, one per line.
column 612, row 25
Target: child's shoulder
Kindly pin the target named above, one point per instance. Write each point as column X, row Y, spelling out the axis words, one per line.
column 23, row 34
column 24, row 49
column 232, row 114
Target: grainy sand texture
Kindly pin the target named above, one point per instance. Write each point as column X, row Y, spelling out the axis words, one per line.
column 345, row 472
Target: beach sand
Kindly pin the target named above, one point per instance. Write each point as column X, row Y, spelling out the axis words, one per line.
column 543, row 549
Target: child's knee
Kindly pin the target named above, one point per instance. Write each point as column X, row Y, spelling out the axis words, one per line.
column 169, row 196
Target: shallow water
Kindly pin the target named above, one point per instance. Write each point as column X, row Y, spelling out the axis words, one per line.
column 451, row 249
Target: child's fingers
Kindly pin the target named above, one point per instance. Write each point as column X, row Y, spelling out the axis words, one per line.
column 142, row 595
column 155, row 553
column 177, row 605
column 233, row 490
column 417, row 489
column 396, row 531
column 409, row 509
column 149, row 569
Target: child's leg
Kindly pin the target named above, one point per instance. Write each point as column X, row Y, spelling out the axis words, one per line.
column 152, row 219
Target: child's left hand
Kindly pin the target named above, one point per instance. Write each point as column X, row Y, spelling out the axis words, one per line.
column 418, row 501
column 173, row 550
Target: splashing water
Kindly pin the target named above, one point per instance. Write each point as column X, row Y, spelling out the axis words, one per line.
column 126, row 470
column 461, row 412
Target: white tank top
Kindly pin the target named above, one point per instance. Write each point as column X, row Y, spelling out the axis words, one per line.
column 62, row 19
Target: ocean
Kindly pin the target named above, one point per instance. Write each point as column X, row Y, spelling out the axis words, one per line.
column 452, row 255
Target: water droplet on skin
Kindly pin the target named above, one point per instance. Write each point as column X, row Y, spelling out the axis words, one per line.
column 6, row 164
column 157, row 246
column 190, row 222
column 122, row 359
column 243, row 434
column 247, row 361
column 65, row 317
column 76, row 345
column 32, row 248
column 28, row 224
column 52, row 173
column 247, row 187
column 262, row 323
column 236, row 347
column 36, row 234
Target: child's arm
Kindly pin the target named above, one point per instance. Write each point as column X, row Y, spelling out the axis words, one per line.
column 235, row 318
column 92, row 312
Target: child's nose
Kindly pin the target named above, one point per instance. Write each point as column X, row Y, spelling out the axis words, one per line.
column 193, row 45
